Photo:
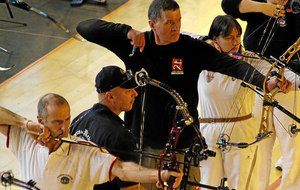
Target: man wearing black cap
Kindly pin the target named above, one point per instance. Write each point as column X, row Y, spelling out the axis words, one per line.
column 102, row 125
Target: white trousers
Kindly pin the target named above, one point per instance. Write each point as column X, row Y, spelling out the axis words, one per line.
column 289, row 146
column 237, row 164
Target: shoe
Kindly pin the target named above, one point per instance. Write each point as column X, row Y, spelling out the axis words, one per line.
column 278, row 164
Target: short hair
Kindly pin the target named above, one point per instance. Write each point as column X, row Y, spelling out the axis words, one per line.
column 158, row 6
column 49, row 99
column 223, row 25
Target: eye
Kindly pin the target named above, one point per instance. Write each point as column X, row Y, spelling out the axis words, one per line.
column 59, row 122
column 229, row 38
column 169, row 22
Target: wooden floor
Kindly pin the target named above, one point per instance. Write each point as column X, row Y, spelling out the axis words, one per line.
column 70, row 69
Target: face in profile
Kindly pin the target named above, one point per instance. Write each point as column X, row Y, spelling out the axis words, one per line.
column 230, row 43
column 167, row 28
column 123, row 98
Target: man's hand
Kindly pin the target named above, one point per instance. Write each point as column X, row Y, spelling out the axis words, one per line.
column 137, row 38
column 44, row 132
column 270, row 8
column 273, row 10
column 45, row 136
column 284, row 86
column 166, row 174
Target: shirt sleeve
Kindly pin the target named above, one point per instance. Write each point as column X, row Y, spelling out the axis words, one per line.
column 20, row 143
column 231, row 7
column 112, row 36
column 13, row 139
column 223, row 63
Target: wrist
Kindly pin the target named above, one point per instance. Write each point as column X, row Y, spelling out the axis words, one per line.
column 129, row 33
column 27, row 123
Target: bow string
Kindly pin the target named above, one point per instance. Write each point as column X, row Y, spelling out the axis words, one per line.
column 182, row 118
column 224, row 141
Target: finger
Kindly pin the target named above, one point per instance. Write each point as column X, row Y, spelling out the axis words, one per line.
column 282, row 86
column 178, row 179
column 282, row 13
column 142, row 48
column 288, row 86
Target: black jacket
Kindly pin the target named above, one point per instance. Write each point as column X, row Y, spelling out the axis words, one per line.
column 103, row 127
column 162, row 63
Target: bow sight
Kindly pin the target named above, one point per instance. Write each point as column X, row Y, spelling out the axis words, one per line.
column 293, row 6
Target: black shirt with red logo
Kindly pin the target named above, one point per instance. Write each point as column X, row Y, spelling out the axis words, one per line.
column 177, row 64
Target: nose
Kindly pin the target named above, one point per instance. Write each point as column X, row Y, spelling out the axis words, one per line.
column 235, row 42
column 175, row 27
column 134, row 93
column 64, row 126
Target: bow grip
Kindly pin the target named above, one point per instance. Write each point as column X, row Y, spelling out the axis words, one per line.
column 171, row 167
column 171, row 181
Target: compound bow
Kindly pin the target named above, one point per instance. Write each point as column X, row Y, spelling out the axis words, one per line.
column 182, row 118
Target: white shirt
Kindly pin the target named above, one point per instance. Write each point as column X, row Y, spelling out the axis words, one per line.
column 69, row 167
column 221, row 96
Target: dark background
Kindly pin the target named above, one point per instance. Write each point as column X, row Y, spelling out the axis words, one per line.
column 27, row 44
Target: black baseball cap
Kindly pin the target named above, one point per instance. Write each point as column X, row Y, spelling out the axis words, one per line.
column 112, row 76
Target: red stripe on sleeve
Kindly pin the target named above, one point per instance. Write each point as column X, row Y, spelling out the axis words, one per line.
column 7, row 136
column 111, row 166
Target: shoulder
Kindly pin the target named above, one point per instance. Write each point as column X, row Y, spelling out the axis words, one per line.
column 193, row 35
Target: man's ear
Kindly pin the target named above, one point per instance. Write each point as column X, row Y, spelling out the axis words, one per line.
column 152, row 24
column 109, row 97
column 40, row 120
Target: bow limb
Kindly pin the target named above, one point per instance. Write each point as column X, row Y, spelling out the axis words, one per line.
column 7, row 68
column 266, row 109
column 62, row 27
column 269, row 97
column 170, row 153
column 25, row 6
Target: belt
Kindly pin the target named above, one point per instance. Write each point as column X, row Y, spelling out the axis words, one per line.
column 222, row 120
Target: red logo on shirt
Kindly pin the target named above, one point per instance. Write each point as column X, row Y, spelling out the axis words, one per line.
column 177, row 67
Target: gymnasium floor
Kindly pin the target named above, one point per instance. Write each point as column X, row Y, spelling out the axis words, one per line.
column 69, row 69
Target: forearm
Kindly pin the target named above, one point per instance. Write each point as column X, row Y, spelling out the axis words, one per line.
column 129, row 171
column 248, row 6
column 98, row 31
column 9, row 118
column 112, row 36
